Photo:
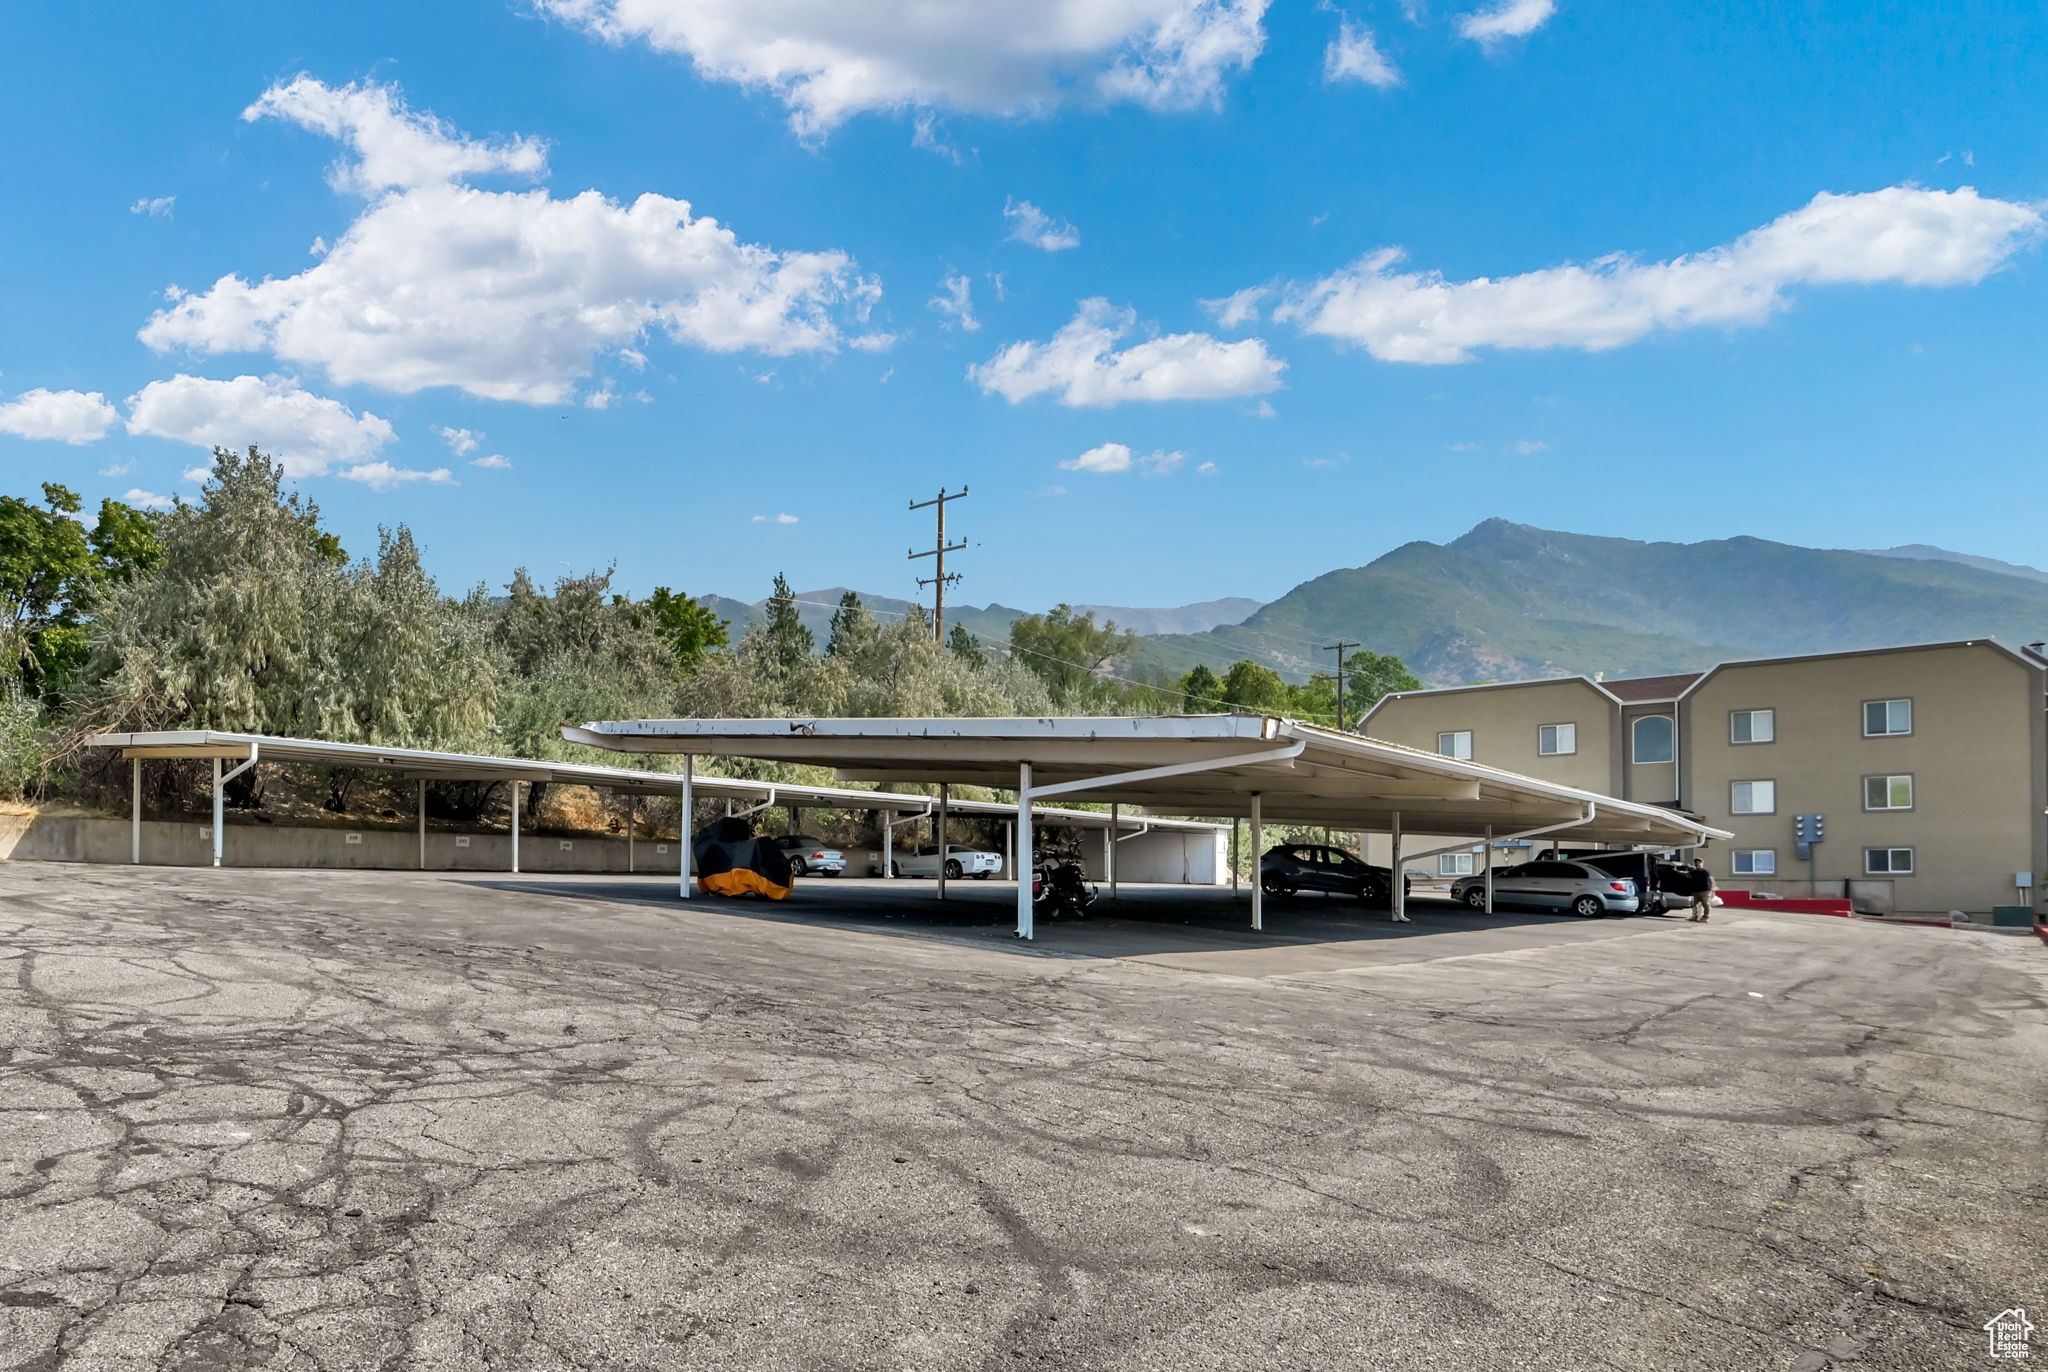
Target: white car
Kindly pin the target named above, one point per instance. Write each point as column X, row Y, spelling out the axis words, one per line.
column 961, row 861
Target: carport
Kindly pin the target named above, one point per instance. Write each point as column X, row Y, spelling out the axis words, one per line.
column 1255, row 767
column 231, row 754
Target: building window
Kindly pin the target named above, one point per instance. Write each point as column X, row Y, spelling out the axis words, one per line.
column 1456, row 864
column 1752, row 726
column 1756, row 862
column 1752, row 797
column 1458, row 744
column 1888, row 862
column 1882, row 718
column 1553, row 740
column 1652, row 736
column 1888, row 793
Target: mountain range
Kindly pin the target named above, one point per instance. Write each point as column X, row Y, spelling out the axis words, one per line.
column 1509, row 601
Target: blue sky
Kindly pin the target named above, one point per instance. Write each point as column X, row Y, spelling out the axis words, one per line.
column 389, row 241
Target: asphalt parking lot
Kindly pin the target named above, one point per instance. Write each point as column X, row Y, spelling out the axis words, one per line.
column 366, row 1120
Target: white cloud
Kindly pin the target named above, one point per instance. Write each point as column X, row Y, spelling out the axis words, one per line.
column 502, row 294
column 1507, row 19
column 147, row 500
column 1105, row 457
column 955, row 300
column 156, row 207
column 461, row 442
column 306, row 433
column 1108, row 458
column 775, row 519
column 827, row 62
column 1529, row 447
column 603, row 398
column 1354, row 55
column 1206, row 469
column 492, row 462
column 1239, row 307
column 1901, row 235
column 1082, row 366
column 1029, row 224
column 394, row 145
column 75, row 417
column 382, row 476
column 201, row 475
column 119, row 469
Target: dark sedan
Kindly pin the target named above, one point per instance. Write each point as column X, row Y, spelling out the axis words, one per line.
column 1291, row 867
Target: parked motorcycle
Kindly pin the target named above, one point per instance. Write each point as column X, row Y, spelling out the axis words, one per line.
column 1059, row 890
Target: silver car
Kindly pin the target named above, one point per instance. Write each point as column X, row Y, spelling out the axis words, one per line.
column 1579, row 887
column 807, row 855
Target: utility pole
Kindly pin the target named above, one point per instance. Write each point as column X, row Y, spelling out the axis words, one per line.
column 939, row 580
column 1338, row 648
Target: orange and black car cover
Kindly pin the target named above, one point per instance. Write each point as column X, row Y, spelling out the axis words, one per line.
column 730, row 861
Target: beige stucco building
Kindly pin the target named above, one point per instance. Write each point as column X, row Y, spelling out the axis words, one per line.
column 1927, row 764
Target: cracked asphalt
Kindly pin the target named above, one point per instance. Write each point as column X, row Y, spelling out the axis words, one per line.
column 353, row 1120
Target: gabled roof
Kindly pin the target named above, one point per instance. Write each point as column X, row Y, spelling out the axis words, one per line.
column 1635, row 690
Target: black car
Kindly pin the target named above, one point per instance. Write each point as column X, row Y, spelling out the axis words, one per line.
column 1290, row 867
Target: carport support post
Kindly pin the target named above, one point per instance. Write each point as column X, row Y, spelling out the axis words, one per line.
column 135, row 810
column 939, row 827
column 1399, row 880
column 689, row 802
column 421, row 806
column 1024, row 927
column 515, row 826
column 1486, row 856
column 219, row 812
column 1258, row 844
column 1010, row 846
column 1233, row 857
column 1109, row 847
column 888, row 845
column 632, row 814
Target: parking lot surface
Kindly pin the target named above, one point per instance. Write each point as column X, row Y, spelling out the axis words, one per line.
column 342, row 1120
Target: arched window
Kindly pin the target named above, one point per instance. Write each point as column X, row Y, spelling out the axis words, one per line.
column 1653, row 738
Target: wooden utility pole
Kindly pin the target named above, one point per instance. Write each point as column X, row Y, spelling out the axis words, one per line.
column 1338, row 648
column 940, row 579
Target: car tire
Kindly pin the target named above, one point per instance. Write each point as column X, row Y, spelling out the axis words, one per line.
column 797, row 868
column 981, row 876
column 1588, row 907
column 896, row 870
column 953, row 870
column 1275, row 885
column 1476, row 898
column 1372, row 891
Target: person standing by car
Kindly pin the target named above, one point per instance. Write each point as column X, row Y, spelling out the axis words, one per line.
column 1702, row 892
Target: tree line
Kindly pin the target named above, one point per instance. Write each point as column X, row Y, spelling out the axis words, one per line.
column 239, row 612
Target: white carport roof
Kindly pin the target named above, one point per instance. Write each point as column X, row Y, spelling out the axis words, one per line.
column 432, row 765
column 1183, row 764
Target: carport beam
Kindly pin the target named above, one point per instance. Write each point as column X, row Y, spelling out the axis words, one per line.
column 1399, row 880
column 135, row 810
column 220, row 780
column 1258, row 882
column 939, row 827
column 1024, row 924
column 632, row 814
column 421, row 806
column 1486, row 858
column 515, row 826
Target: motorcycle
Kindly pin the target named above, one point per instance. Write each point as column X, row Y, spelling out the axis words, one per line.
column 1058, row 890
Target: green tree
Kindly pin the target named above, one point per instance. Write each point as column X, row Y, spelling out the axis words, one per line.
column 1250, row 687
column 1374, row 676
column 853, row 627
column 961, row 645
column 1201, row 691
column 693, row 631
column 788, row 643
column 1067, row 649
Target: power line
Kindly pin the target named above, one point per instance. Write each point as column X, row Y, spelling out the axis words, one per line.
column 1338, row 648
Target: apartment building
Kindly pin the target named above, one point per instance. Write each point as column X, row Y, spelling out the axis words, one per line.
column 1927, row 764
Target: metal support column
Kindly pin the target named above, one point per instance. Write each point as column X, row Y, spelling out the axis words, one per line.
column 1486, row 857
column 1109, row 847
column 219, row 811
column 1010, row 849
column 888, row 846
column 939, row 827
column 1024, row 924
column 1258, row 886
column 1233, row 856
column 515, row 826
column 421, row 806
column 632, row 815
column 1399, row 881
column 685, row 853
column 135, row 810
